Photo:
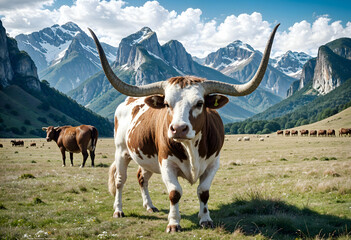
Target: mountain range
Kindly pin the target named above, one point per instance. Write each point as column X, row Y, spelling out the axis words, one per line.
column 240, row 61
column 142, row 60
column 29, row 104
column 64, row 55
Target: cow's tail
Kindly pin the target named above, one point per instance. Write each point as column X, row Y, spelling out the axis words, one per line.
column 94, row 138
column 111, row 179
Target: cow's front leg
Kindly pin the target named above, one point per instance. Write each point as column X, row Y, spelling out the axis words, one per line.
column 122, row 159
column 63, row 153
column 170, row 178
column 143, row 179
column 203, row 194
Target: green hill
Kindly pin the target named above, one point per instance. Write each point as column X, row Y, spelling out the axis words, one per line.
column 23, row 114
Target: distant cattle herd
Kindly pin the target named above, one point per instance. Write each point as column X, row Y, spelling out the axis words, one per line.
column 315, row 133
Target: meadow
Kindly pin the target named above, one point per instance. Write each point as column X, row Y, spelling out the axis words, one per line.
column 279, row 188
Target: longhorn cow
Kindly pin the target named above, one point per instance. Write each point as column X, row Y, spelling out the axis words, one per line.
column 172, row 128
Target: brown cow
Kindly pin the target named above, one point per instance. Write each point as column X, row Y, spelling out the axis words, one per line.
column 345, row 132
column 1, row 146
column 304, row 132
column 74, row 140
column 287, row 133
column 294, row 132
column 173, row 129
column 331, row 132
column 313, row 133
column 17, row 143
column 322, row 133
column 280, row 132
column 33, row 144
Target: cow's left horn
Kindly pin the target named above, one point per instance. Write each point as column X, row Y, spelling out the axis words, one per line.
column 249, row 87
column 119, row 85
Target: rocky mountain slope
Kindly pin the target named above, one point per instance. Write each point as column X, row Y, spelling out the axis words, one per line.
column 240, row 61
column 142, row 60
column 28, row 104
column 65, row 55
column 328, row 70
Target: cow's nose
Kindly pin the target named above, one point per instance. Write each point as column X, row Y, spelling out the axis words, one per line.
column 179, row 130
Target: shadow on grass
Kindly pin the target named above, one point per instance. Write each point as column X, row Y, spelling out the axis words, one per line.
column 276, row 219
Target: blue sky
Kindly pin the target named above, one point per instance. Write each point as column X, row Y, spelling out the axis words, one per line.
column 202, row 26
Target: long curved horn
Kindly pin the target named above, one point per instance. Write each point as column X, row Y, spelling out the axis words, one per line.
column 249, row 87
column 119, row 85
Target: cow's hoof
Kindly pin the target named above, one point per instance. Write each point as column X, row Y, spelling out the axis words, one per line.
column 151, row 210
column 63, row 165
column 173, row 228
column 206, row 224
column 118, row 214
column 71, row 165
column 81, row 166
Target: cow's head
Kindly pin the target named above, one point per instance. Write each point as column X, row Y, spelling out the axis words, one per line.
column 186, row 98
column 51, row 132
column 186, row 103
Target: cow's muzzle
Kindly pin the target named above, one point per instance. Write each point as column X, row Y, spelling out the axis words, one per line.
column 179, row 131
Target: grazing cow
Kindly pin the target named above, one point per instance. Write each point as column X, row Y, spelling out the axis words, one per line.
column 1, row 146
column 322, row 133
column 17, row 143
column 239, row 139
column 287, row 133
column 74, row 140
column 172, row 128
column 294, row 132
column 331, row 132
column 261, row 139
column 280, row 132
column 304, row 132
column 313, row 133
column 344, row 132
column 33, row 144
column 246, row 138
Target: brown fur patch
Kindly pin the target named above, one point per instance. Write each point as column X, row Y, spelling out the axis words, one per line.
column 204, row 196
column 174, row 197
column 140, row 177
column 131, row 100
column 184, row 81
column 136, row 110
column 213, row 132
column 116, row 124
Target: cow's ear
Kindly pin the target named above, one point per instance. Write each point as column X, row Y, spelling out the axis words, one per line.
column 155, row 101
column 215, row 101
column 44, row 129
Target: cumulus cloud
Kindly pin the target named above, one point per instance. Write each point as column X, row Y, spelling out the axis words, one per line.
column 115, row 19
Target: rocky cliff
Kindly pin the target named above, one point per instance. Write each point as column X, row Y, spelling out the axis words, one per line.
column 16, row 65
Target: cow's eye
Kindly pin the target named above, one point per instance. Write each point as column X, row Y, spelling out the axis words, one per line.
column 199, row 104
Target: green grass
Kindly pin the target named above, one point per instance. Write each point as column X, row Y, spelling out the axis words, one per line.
column 255, row 194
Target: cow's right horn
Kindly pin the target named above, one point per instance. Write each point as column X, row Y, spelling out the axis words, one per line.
column 119, row 85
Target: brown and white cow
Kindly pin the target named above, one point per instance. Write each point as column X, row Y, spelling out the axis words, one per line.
column 331, row 132
column 313, row 133
column 172, row 128
column 322, row 132
column 287, row 133
column 304, row 132
column 280, row 132
column 344, row 132
column 17, row 143
column 74, row 140
column 294, row 132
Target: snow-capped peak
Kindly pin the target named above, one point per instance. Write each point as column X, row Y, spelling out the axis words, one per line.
column 291, row 63
column 140, row 36
column 240, row 44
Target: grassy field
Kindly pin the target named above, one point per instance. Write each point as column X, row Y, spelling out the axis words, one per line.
column 279, row 188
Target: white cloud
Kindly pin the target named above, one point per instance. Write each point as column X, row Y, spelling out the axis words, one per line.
column 115, row 19
column 307, row 37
